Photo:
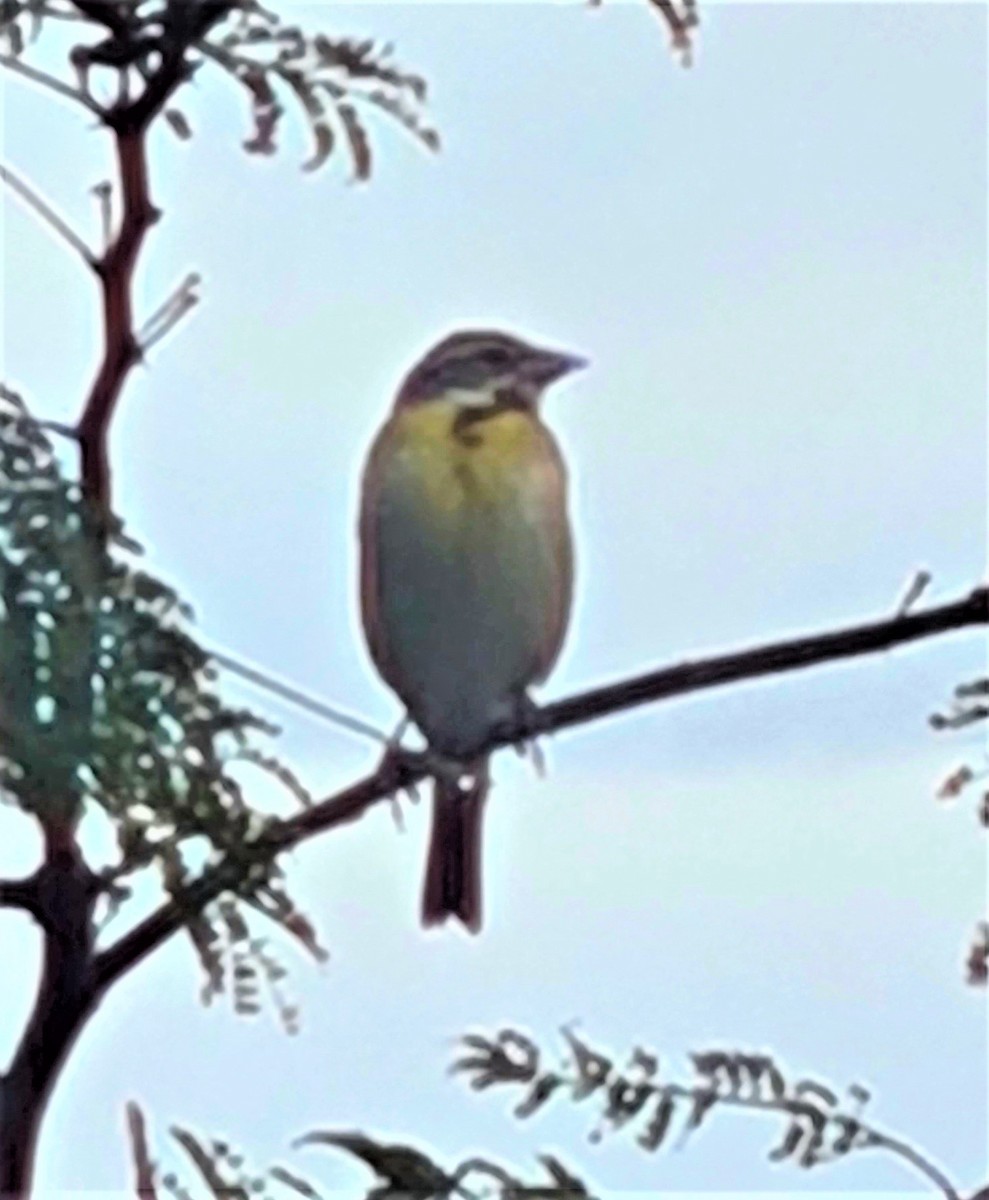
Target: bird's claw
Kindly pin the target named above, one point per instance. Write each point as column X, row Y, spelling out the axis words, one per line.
column 401, row 769
column 528, row 725
column 398, row 770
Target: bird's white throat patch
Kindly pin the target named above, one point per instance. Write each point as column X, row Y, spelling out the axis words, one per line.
column 483, row 396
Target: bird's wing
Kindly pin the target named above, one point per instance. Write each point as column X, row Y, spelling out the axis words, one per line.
column 368, row 535
column 552, row 482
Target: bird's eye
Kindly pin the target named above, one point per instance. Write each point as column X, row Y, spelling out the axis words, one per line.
column 495, row 356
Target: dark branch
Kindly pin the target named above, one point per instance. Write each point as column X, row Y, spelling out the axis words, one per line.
column 46, row 213
column 66, row 91
column 20, row 893
column 396, row 774
column 765, row 660
column 184, row 24
column 63, row 894
column 121, row 350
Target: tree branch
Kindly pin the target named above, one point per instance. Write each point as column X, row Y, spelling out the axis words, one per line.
column 185, row 23
column 49, row 81
column 773, row 659
column 47, row 214
column 913, row 1158
column 20, row 893
column 399, row 773
column 63, row 895
column 121, row 351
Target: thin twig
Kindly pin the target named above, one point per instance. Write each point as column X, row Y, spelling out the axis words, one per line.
column 50, row 82
column 61, row 428
column 104, row 193
column 918, row 584
column 47, row 214
column 121, row 349
column 303, row 700
column 144, row 1168
column 884, row 1141
column 20, row 893
column 164, row 319
column 399, row 772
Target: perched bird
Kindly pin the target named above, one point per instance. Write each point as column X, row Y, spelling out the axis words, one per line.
column 466, row 571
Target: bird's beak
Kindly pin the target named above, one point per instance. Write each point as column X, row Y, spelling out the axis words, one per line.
column 547, row 366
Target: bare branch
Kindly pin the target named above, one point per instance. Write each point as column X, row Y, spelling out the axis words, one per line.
column 47, row 214
column 913, row 1157
column 65, row 997
column 311, row 704
column 164, row 319
column 399, row 772
column 144, row 1169
column 121, row 349
column 20, row 893
column 65, row 90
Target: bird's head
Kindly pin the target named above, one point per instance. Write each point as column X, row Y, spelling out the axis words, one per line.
column 481, row 368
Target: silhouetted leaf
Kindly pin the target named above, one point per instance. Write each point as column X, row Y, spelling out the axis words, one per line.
column 403, row 1168
column 701, row 1104
column 791, row 1140
column 295, row 1182
column 816, row 1091
column 205, row 1164
column 592, row 1068
column 625, row 1099
column 323, row 147
column 178, row 123
column 360, row 147
column 652, row 1137
column 538, row 1094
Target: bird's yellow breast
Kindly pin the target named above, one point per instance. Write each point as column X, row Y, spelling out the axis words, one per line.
column 466, row 563
column 459, row 463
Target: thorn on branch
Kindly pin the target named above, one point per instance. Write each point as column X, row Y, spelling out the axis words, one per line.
column 104, row 198
column 914, row 590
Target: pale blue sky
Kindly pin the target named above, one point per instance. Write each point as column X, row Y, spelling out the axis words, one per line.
column 777, row 262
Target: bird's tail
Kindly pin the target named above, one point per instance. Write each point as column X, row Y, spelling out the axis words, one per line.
column 453, row 868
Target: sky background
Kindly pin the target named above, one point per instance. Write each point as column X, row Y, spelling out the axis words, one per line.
column 777, row 262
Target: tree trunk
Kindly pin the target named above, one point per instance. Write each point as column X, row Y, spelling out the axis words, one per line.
column 61, row 901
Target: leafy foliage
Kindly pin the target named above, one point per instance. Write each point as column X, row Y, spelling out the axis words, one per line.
column 148, row 48
column 816, row 1128
column 104, row 691
column 326, row 78
column 401, row 1172
column 106, row 700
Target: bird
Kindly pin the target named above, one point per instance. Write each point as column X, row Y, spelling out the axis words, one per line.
column 466, row 572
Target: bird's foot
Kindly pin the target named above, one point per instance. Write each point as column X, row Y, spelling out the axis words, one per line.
column 400, row 770
column 527, row 725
